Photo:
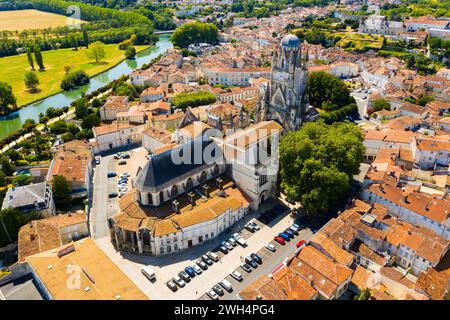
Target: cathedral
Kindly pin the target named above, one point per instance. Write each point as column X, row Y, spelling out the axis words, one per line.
column 285, row 99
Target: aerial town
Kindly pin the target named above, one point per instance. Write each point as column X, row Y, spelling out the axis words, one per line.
column 225, row 150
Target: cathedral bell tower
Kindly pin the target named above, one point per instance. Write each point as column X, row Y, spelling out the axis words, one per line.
column 285, row 98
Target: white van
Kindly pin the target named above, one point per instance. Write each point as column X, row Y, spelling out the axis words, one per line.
column 213, row 256
column 148, row 273
column 242, row 242
column 226, row 285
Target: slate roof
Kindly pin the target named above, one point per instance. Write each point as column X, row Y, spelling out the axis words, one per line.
column 25, row 197
column 161, row 168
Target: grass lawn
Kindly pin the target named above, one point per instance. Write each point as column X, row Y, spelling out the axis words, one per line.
column 360, row 41
column 18, row 20
column 13, row 70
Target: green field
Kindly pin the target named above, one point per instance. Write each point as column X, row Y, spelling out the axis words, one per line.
column 360, row 41
column 13, row 70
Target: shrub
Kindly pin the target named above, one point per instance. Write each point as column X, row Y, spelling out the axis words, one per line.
column 74, row 79
column 193, row 99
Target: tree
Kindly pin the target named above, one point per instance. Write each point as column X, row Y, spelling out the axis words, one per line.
column 364, row 295
column 90, row 121
column 85, row 38
column 58, row 127
column 327, row 91
column 81, row 108
column 7, row 98
column 193, row 99
column 38, row 57
column 7, row 167
column 318, row 161
column 380, row 104
column 2, row 179
column 61, row 192
column 96, row 51
column 194, row 33
column 130, row 52
column 10, row 222
column 22, row 179
column 31, row 81
column 30, row 58
column 68, row 136
column 67, row 68
column 74, row 79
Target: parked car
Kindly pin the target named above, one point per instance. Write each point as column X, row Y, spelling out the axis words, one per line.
column 116, row 156
column 213, row 256
column 218, row 289
column 236, row 275
column 190, row 271
column 284, row 236
column 293, row 230
column 254, row 225
column 227, row 245
column 295, row 226
column 197, row 269
column 251, row 262
column 125, row 175
column 148, row 273
column 242, row 242
column 300, row 243
column 202, row 265
column 246, row 268
column 226, row 285
column 97, row 160
column 289, row 233
column 257, row 258
column 172, row 286
column 184, row 276
column 111, row 174
column 212, row 294
column 223, row 250
column 280, row 240
column 207, row 260
column 179, row 281
column 250, row 228
column 122, row 162
column 113, row 195
column 232, row 242
column 125, row 156
column 236, row 236
column 271, row 247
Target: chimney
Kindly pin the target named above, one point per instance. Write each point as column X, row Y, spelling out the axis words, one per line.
column 219, row 183
column 205, row 190
column 175, row 204
column 405, row 198
column 258, row 297
column 191, row 198
column 32, row 237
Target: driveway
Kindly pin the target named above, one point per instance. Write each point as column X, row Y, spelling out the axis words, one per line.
column 166, row 267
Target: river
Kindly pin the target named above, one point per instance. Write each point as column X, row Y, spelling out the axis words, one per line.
column 63, row 99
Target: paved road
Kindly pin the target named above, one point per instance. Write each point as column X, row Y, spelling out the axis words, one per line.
column 102, row 206
column 271, row 260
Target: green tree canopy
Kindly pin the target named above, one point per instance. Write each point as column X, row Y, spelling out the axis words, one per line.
column 12, row 220
column 90, row 121
column 96, row 51
column 327, row 91
column 318, row 161
column 194, row 33
column 193, row 99
column 31, row 81
column 7, row 99
column 61, row 192
column 380, row 104
column 7, row 167
column 22, row 179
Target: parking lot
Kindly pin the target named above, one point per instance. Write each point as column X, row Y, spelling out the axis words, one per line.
column 167, row 267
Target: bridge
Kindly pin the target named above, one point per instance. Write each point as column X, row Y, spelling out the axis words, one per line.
column 164, row 32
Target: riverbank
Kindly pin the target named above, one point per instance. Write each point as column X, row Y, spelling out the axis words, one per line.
column 14, row 69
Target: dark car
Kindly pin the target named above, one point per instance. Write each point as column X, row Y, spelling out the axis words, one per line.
column 251, row 262
column 190, row 271
column 207, row 260
column 111, row 174
column 183, row 275
column 125, row 156
column 223, row 249
column 172, row 286
column 284, row 236
column 257, row 258
column 289, row 233
column 113, row 195
column 202, row 265
column 122, row 162
column 218, row 289
column 246, row 268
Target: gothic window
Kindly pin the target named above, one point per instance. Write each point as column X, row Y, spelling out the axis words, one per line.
column 174, row 192
column 161, row 197
column 150, row 198
column 269, row 146
column 216, row 170
column 203, row 177
column 189, row 184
